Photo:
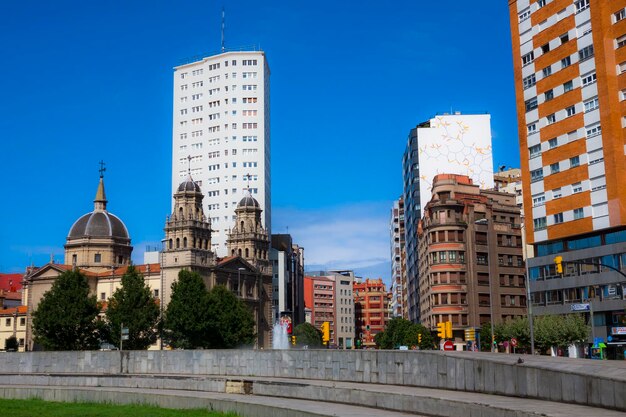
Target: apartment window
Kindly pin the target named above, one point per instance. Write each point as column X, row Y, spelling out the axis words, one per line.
column 558, row 218
column 568, row 86
column 591, row 104
column 578, row 213
column 621, row 68
column 556, row 193
column 541, row 3
column 564, row 38
column 524, row 15
column 553, row 143
column 536, row 175
column 528, row 81
column 554, row 168
column 551, row 118
column 528, row 58
column 534, row 151
column 545, row 48
column 577, row 188
column 621, row 41
column 620, row 15
column 588, row 79
column 532, row 128
column 574, row 161
column 566, row 62
column 548, row 95
column 570, row 111
column 539, row 200
column 585, row 53
column 546, row 71
column 540, row 223
column 593, row 130
column 581, row 5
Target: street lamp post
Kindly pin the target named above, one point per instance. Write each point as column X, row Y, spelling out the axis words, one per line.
column 485, row 221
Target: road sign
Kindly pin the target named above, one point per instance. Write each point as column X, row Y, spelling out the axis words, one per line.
column 124, row 330
column 448, row 345
column 124, row 337
column 580, row 307
column 513, row 342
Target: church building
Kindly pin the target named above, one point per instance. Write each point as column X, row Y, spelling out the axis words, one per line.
column 99, row 245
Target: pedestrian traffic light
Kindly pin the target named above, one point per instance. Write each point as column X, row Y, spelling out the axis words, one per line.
column 325, row 331
column 293, row 340
column 419, row 338
column 441, row 330
column 558, row 261
column 448, row 330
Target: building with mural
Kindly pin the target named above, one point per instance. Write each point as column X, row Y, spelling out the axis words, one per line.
column 450, row 143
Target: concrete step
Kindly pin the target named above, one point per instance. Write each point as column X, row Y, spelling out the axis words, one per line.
column 396, row 398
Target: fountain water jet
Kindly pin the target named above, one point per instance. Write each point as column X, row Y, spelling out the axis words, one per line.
column 280, row 338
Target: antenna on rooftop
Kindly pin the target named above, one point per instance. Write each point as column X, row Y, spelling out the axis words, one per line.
column 223, row 25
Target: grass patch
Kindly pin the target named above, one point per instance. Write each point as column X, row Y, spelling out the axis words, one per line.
column 40, row 408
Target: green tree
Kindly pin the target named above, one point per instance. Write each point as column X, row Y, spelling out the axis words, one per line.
column 401, row 332
column 307, row 334
column 133, row 306
column 65, row 318
column 231, row 323
column 11, row 344
column 186, row 321
column 485, row 337
column 575, row 330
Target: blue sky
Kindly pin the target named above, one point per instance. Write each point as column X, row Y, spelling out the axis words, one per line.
column 84, row 81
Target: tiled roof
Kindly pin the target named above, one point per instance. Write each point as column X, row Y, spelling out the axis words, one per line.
column 225, row 260
column 11, row 311
column 11, row 282
column 13, row 295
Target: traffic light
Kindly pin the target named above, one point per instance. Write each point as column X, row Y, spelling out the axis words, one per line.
column 441, row 330
column 293, row 340
column 448, row 330
column 325, row 331
column 419, row 338
column 558, row 261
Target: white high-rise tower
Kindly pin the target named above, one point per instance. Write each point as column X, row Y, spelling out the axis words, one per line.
column 221, row 132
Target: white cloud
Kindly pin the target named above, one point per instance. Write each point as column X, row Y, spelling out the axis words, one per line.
column 344, row 237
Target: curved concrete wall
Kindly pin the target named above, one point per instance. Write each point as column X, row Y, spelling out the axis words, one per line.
column 593, row 383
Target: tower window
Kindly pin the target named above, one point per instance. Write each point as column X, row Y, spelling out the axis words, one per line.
column 177, row 243
column 97, row 258
column 120, row 259
column 184, row 242
column 171, row 244
column 74, row 259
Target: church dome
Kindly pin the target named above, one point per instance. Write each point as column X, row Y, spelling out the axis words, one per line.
column 189, row 185
column 248, row 201
column 98, row 224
